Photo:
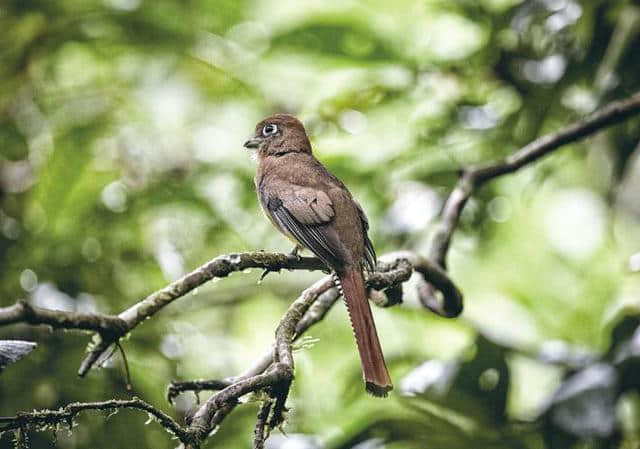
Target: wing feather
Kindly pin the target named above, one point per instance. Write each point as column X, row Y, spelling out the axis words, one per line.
column 304, row 213
column 369, row 259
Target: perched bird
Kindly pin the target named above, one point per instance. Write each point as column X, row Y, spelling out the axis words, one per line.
column 312, row 207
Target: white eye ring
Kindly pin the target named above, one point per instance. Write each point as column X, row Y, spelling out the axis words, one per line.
column 270, row 129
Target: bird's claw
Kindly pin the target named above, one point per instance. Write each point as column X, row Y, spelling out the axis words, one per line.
column 294, row 252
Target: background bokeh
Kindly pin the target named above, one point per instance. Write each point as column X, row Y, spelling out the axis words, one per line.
column 122, row 168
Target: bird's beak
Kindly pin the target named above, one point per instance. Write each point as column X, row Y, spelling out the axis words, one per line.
column 252, row 142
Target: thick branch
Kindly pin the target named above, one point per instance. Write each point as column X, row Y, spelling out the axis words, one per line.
column 23, row 312
column 431, row 275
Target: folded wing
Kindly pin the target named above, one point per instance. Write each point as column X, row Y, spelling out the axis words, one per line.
column 303, row 213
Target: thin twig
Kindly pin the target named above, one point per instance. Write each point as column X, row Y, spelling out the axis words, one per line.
column 66, row 414
column 126, row 366
column 261, row 431
column 177, row 387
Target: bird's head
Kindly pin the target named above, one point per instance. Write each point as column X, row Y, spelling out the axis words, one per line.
column 279, row 134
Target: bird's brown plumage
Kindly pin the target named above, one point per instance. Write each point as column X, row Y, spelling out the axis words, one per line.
column 314, row 208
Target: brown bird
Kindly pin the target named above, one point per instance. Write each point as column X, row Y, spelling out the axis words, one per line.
column 312, row 207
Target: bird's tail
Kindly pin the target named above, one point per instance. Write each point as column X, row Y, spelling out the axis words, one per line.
column 374, row 369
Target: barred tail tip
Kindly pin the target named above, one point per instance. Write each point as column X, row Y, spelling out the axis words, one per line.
column 379, row 391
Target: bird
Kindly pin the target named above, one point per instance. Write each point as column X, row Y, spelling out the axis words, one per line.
column 313, row 208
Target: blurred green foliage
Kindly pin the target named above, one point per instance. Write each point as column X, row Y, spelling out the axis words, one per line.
column 121, row 168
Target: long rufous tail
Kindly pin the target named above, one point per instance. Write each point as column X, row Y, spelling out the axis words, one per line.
column 374, row 369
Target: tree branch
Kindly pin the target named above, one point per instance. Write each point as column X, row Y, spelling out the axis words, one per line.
column 272, row 373
column 177, row 387
column 23, row 312
column 400, row 271
column 44, row 418
column 474, row 177
column 111, row 328
column 219, row 267
column 261, row 431
column 275, row 373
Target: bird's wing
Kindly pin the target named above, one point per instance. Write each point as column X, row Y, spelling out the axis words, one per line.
column 369, row 258
column 304, row 212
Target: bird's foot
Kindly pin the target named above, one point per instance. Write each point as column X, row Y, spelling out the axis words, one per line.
column 294, row 251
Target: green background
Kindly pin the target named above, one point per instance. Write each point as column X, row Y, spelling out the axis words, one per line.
column 122, row 168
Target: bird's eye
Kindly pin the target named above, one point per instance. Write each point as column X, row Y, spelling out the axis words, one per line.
column 269, row 130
